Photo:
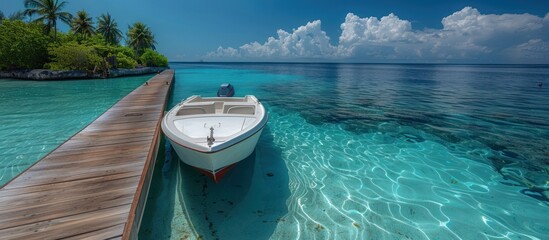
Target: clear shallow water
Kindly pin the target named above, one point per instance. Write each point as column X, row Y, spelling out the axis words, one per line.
column 369, row 152
column 38, row 116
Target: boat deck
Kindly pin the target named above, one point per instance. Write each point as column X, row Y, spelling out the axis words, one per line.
column 94, row 185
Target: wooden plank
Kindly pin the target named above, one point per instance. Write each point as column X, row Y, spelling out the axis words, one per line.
column 64, row 175
column 64, row 185
column 88, row 162
column 94, row 185
column 49, row 196
column 93, row 144
column 57, row 208
column 70, row 225
column 99, row 151
column 105, row 233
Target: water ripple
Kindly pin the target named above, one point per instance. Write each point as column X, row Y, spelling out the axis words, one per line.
column 383, row 186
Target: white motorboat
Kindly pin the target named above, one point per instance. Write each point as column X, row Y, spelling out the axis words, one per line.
column 212, row 134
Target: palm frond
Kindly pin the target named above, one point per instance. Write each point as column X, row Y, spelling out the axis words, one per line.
column 108, row 27
column 49, row 11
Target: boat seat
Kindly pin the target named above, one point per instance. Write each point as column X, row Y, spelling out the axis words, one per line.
column 197, row 108
column 239, row 108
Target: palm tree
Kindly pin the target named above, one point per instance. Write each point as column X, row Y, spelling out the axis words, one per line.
column 107, row 27
column 49, row 11
column 140, row 38
column 83, row 24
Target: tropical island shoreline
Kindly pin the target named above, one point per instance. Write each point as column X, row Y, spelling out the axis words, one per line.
column 47, row 74
column 32, row 48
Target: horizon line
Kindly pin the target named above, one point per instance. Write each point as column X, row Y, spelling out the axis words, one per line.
column 372, row 63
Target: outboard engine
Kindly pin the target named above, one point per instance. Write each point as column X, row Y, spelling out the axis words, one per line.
column 225, row 90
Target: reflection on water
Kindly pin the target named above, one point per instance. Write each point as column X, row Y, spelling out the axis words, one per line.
column 362, row 151
column 471, row 107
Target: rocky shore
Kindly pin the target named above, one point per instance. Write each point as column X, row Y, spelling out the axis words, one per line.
column 45, row 74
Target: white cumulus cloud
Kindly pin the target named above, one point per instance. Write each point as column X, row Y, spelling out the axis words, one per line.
column 358, row 31
column 306, row 41
column 387, row 38
column 468, row 30
column 466, row 36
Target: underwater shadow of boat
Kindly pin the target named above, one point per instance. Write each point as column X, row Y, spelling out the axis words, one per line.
column 248, row 203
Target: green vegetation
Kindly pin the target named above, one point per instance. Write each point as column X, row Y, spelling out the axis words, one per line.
column 74, row 56
column 22, row 45
column 153, row 59
column 95, row 49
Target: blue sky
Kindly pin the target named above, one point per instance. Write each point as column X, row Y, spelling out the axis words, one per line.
column 482, row 31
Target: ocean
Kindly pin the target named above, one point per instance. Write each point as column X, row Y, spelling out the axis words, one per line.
column 368, row 151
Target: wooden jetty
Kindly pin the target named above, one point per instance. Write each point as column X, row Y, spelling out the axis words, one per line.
column 93, row 186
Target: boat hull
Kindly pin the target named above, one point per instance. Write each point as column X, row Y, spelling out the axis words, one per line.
column 216, row 164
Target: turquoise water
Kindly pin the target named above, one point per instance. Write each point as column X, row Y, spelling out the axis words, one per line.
column 38, row 116
column 355, row 151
